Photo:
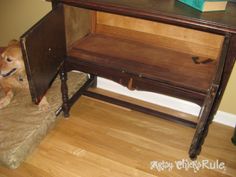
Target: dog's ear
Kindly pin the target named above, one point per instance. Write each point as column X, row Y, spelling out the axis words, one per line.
column 14, row 42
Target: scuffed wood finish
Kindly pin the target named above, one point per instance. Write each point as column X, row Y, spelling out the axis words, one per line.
column 146, row 61
column 167, row 11
column 103, row 140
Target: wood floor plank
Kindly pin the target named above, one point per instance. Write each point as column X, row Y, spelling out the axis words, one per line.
column 102, row 140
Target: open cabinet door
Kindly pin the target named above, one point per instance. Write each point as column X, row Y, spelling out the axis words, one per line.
column 44, row 50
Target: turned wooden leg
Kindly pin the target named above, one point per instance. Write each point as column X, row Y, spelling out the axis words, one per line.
column 199, row 138
column 64, row 91
column 94, row 84
column 205, row 118
column 212, row 101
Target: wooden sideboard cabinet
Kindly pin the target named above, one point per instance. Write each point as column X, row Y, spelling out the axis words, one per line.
column 160, row 46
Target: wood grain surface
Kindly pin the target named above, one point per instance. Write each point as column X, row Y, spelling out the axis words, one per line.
column 157, row 63
column 102, row 140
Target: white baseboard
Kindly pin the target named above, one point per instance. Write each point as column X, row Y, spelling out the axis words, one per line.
column 170, row 102
column 225, row 118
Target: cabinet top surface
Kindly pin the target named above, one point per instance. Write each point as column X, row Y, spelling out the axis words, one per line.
column 169, row 11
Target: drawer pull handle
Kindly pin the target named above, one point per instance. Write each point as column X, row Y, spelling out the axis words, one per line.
column 130, row 84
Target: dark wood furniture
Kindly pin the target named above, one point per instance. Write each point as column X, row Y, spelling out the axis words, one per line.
column 234, row 137
column 154, row 45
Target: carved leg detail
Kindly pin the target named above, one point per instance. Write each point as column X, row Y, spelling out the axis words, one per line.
column 205, row 118
column 211, row 103
column 199, row 138
column 64, row 91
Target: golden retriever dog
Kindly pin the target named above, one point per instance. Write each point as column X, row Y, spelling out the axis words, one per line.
column 13, row 75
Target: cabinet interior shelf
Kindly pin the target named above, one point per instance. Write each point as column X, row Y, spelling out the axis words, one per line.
column 129, row 56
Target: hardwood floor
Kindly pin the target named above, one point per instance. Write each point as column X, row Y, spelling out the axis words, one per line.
column 102, row 140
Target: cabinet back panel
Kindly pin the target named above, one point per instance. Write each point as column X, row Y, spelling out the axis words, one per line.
column 78, row 23
column 171, row 36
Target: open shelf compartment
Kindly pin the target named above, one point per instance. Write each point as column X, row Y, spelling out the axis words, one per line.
column 137, row 58
column 180, row 57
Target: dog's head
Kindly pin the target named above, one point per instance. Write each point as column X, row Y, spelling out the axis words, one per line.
column 11, row 61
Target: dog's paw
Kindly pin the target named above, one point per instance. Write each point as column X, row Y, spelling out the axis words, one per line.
column 6, row 100
column 44, row 105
